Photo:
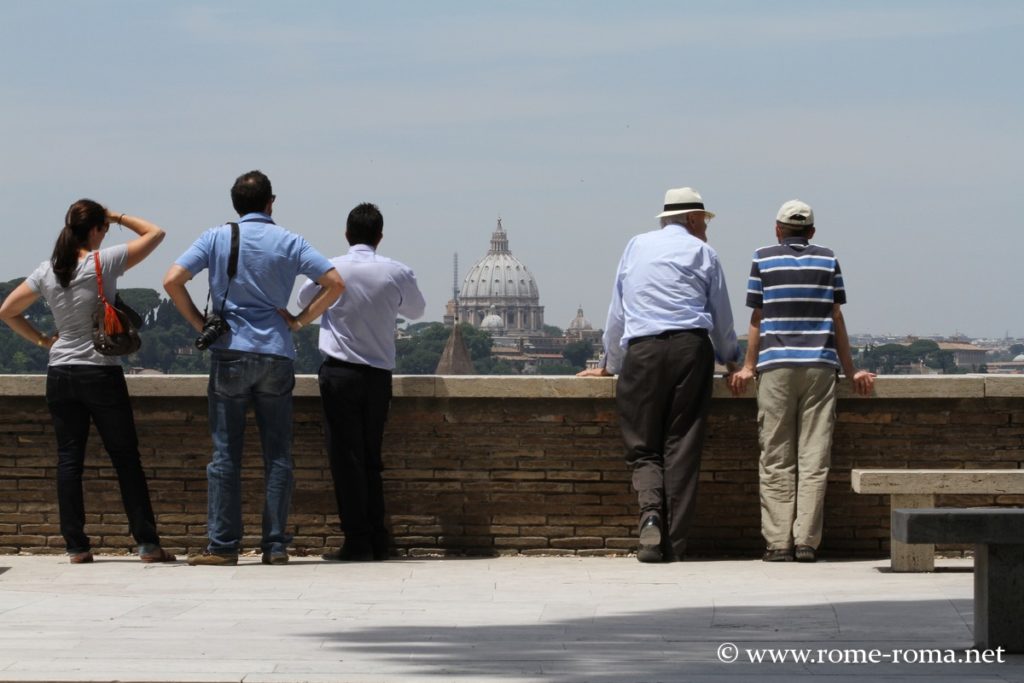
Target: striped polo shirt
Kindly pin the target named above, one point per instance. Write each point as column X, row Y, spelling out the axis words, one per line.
column 796, row 284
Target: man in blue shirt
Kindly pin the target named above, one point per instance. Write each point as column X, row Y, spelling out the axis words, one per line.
column 252, row 362
column 668, row 320
column 796, row 344
column 357, row 340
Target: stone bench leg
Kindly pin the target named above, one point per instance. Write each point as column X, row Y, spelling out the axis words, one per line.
column 912, row 557
column 999, row 597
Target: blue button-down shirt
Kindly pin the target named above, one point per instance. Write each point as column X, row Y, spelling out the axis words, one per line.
column 360, row 326
column 269, row 260
column 668, row 280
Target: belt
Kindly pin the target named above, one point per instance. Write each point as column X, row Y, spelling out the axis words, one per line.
column 668, row 334
column 332, row 362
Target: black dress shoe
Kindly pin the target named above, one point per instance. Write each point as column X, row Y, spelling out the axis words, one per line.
column 650, row 540
column 650, row 531
column 381, row 545
column 350, row 554
column 649, row 555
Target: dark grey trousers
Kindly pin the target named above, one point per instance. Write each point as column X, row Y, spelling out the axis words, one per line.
column 663, row 395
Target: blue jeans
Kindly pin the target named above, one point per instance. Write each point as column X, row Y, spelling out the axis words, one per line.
column 237, row 380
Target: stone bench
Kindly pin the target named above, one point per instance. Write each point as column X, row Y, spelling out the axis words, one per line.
column 998, row 538
column 918, row 488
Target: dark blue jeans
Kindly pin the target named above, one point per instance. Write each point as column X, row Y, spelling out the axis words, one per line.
column 237, row 380
column 75, row 395
column 356, row 399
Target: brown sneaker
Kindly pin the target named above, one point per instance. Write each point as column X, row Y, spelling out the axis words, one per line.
column 214, row 559
column 83, row 557
column 156, row 554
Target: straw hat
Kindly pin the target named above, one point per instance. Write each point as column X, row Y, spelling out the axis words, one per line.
column 683, row 200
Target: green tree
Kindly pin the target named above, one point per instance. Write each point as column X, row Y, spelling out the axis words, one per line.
column 144, row 301
column 552, row 331
column 885, row 358
column 922, row 347
column 166, row 337
column 17, row 355
column 578, row 353
column 420, row 353
column 20, row 363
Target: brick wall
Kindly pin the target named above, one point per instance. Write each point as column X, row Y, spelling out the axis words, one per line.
column 486, row 466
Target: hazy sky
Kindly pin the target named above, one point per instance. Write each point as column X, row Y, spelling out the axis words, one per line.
column 901, row 123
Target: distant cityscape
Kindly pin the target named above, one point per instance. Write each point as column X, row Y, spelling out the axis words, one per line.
column 500, row 296
column 993, row 356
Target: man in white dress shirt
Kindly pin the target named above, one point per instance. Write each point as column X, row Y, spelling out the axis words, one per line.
column 668, row 319
column 357, row 340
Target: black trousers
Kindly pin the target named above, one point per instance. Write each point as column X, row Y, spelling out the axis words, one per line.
column 75, row 395
column 356, row 399
column 663, row 395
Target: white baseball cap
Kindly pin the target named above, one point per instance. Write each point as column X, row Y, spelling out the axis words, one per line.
column 796, row 213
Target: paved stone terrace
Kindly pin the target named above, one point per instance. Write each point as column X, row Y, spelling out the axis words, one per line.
column 495, row 619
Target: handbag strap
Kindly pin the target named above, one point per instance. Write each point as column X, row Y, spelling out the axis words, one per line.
column 99, row 277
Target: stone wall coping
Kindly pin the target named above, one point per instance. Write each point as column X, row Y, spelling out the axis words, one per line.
column 936, row 481
column 539, row 386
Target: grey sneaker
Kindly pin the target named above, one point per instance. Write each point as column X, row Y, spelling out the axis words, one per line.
column 805, row 553
column 280, row 557
column 778, row 555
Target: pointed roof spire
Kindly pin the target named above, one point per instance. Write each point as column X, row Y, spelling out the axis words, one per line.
column 455, row 358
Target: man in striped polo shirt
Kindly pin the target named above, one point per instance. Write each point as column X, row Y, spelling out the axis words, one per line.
column 797, row 341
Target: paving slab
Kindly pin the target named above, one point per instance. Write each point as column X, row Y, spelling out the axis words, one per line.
column 510, row 619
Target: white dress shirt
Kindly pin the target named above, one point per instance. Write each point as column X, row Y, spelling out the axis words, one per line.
column 668, row 280
column 360, row 326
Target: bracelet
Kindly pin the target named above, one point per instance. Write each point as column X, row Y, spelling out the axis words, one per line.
column 120, row 219
column 39, row 341
column 298, row 323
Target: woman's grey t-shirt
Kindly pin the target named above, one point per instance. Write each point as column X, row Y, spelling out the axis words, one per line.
column 73, row 306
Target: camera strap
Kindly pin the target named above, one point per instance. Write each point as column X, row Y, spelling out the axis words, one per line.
column 232, row 269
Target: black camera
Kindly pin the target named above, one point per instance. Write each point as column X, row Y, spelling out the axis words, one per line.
column 213, row 329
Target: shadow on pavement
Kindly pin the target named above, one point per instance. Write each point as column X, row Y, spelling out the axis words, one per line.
column 923, row 640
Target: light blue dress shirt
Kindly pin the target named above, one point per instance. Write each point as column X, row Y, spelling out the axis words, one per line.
column 269, row 260
column 668, row 280
column 360, row 326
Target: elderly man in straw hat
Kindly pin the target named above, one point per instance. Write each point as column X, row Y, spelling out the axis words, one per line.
column 668, row 320
column 797, row 343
